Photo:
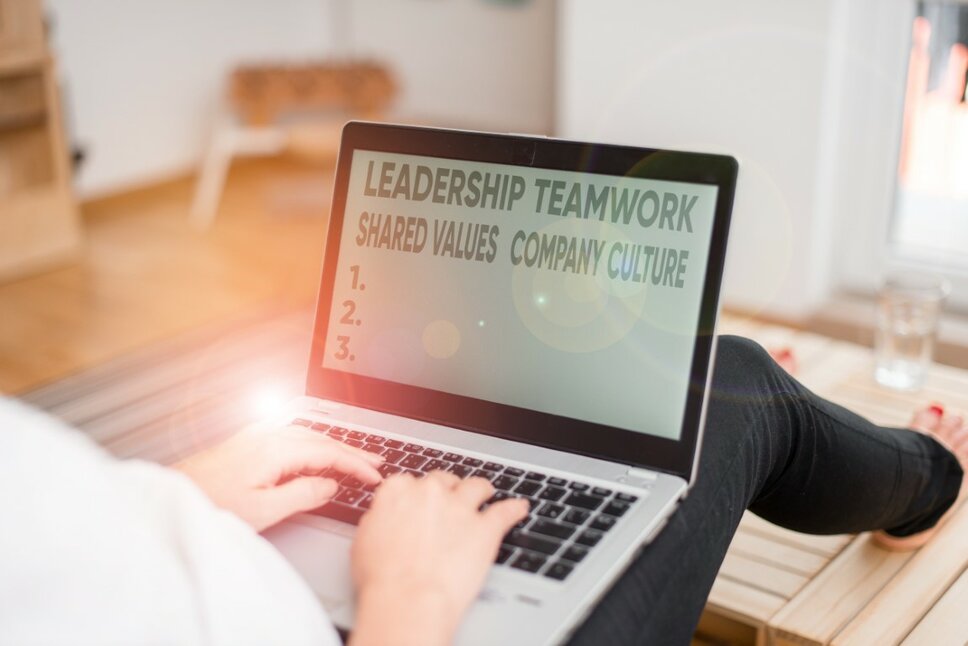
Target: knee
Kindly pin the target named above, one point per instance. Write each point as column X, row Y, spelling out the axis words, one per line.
column 742, row 354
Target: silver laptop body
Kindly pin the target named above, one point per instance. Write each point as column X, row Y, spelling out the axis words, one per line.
column 506, row 407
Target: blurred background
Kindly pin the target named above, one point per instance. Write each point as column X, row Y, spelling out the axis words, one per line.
column 167, row 165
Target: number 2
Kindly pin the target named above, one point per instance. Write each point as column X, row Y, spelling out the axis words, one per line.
column 347, row 318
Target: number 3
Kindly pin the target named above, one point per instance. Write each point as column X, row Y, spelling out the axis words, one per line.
column 344, row 347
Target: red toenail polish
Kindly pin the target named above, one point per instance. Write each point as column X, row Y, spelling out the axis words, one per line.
column 784, row 353
column 937, row 409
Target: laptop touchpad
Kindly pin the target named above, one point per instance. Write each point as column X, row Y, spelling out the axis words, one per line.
column 321, row 558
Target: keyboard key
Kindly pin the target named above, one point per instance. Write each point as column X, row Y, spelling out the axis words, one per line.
column 354, row 443
column 301, row 422
column 492, row 466
column 365, row 502
column 356, row 435
column 387, row 470
column 504, row 483
column 460, row 470
column 537, row 477
column 393, row 444
column 333, row 434
column 338, row 431
column 373, row 448
column 340, row 512
column 452, row 457
column 584, row 501
column 392, row 456
column 481, row 473
column 559, row 570
column 626, row 497
column 473, row 462
column 578, row 486
column 589, row 537
column 558, row 482
column 413, row 448
column 433, row 453
column 375, row 439
column 497, row 497
column 616, row 508
column 527, row 488
column 551, row 528
column 551, row 510
column 413, row 461
column 333, row 473
column 503, row 554
column 518, row 538
column 575, row 553
column 577, row 516
column 601, row 491
column 528, row 562
column 514, row 472
column 435, row 464
column 353, row 483
column 603, row 522
column 318, row 426
column 349, row 496
column 552, row 493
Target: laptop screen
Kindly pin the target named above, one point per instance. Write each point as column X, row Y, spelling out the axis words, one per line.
column 570, row 293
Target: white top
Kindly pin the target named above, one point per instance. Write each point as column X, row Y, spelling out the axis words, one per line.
column 95, row 550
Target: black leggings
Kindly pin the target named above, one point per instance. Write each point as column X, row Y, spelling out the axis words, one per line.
column 795, row 459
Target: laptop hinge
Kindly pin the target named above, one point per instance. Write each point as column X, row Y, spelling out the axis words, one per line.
column 636, row 476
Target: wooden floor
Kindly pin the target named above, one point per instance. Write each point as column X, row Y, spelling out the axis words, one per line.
column 146, row 274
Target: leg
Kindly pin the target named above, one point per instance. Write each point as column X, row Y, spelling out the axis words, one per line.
column 776, row 448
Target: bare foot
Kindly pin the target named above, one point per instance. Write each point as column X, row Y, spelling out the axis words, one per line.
column 951, row 431
column 785, row 358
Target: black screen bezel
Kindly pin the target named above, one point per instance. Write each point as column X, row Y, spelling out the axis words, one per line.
column 596, row 440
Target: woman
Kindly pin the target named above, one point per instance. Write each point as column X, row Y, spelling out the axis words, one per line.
column 100, row 551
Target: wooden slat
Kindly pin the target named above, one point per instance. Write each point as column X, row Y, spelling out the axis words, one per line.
column 755, row 574
column 908, row 597
column 788, row 557
column 838, row 593
column 946, row 623
column 741, row 602
column 827, row 546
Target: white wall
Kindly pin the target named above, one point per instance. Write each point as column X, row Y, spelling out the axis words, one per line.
column 475, row 63
column 143, row 77
column 756, row 79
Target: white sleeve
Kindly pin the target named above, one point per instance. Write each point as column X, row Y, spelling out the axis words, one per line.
column 99, row 551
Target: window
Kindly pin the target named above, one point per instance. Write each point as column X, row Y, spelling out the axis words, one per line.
column 930, row 216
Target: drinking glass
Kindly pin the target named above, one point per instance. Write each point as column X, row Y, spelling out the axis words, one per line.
column 908, row 310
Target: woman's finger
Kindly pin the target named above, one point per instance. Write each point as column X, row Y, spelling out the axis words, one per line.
column 475, row 491
column 300, row 432
column 298, row 495
column 444, row 478
column 500, row 517
column 299, row 455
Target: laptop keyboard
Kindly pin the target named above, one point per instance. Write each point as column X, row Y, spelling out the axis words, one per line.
column 568, row 518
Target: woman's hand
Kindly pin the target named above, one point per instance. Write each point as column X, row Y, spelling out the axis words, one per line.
column 265, row 476
column 421, row 555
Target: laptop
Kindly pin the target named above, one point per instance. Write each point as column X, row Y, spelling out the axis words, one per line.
column 532, row 311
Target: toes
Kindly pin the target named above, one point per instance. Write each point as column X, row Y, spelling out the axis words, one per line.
column 927, row 419
column 950, row 426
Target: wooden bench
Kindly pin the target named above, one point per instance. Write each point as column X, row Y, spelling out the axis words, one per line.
column 781, row 587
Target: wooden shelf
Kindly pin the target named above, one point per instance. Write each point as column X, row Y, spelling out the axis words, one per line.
column 39, row 224
column 15, row 63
